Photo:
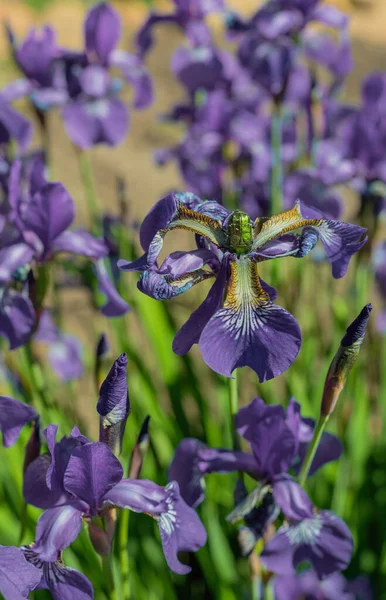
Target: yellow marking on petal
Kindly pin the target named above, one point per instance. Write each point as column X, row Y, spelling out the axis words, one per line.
column 282, row 223
column 197, row 223
column 244, row 288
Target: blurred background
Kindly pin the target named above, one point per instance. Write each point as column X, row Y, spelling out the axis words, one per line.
column 181, row 395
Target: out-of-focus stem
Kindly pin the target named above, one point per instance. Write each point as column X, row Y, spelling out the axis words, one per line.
column 124, row 553
column 233, row 406
column 107, row 565
column 89, row 189
column 320, row 427
column 277, row 163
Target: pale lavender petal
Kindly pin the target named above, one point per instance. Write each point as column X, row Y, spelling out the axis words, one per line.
column 95, row 81
column 291, row 498
column 13, row 257
column 13, row 416
column 139, row 495
column 178, row 263
column 82, row 243
column 330, row 16
column 84, row 477
column 16, row 89
column 56, row 529
column 104, row 121
column 163, row 287
column 14, row 126
column 136, row 75
column 102, row 30
column 17, row 577
column 65, row 358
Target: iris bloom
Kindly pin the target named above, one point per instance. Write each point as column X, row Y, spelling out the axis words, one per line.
column 238, row 323
column 334, row 587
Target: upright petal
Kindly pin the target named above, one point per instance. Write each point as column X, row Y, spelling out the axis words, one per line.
column 249, row 330
column 56, row 529
column 17, row 577
column 84, row 476
column 102, row 30
column 13, row 416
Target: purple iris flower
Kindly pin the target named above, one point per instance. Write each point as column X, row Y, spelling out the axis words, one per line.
column 14, row 415
column 279, row 440
column 246, row 328
column 189, row 15
column 307, row 586
column 95, row 114
column 13, row 125
column 64, row 351
column 17, row 576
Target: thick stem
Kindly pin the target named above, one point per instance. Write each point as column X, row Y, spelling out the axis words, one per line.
column 320, row 427
column 124, row 553
column 107, row 565
column 277, row 163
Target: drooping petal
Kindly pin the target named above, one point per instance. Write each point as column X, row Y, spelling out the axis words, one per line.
column 14, row 126
column 13, row 416
column 56, row 529
column 17, row 318
column 329, row 449
column 178, row 263
column 330, row 16
column 324, row 540
column 217, row 460
column 13, row 257
column 102, row 30
column 67, row 584
column 84, row 476
column 180, row 528
column 164, row 287
column 249, row 330
column 190, row 332
column 291, row 498
column 17, row 577
column 35, row 489
column 115, row 305
column 49, row 213
column 139, row 495
column 82, row 243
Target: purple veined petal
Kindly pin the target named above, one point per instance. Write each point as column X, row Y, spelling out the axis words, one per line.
column 249, row 330
column 185, row 470
column 180, row 528
column 13, row 416
column 91, row 122
column 82, row 243
column 330, row 16
column 95, row 81
column 49, row 213
column 13, row 257
column 164, row 287
column 249, row 417
column 323, row 540
column 65, row 357
column 190, row 332
column 84, row 477
column 284, row 245
column 340, row 240
column 17, row 318
column 114, row 305
column 16, row 89
column 138, row 495
column 67, row 584
column 158, row 218
column 113, row 403
column 17, row 577
column 102, row 30
column 291, row 498
column 136, row 75
column 56, row 529
column 178, row 263
column 14, row 126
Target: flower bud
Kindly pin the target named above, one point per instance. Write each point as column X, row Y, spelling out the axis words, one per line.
column 344, row 360
column 114, row 405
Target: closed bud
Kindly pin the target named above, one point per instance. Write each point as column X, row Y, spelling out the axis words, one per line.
column 114, row 405
column 344, row 360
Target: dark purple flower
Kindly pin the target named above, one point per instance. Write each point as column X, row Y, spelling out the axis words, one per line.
column 17, row 576
column 73, row 486
column 13, row 416
column 279, row 441
column 17, row 317
column 323, row 539
column 246, row 328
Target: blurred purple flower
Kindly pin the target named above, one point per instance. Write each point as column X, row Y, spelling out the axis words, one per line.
column 13, row 125
column 245, row 329
column 307, row 585
column 13, row 416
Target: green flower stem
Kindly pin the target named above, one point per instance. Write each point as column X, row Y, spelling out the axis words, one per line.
column 277, row 163
column 89, row 189
column 320, row 427
column 233, row 406
column 124, row 553
column 107, row 565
